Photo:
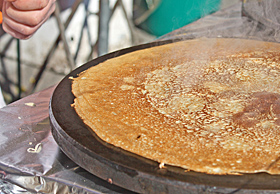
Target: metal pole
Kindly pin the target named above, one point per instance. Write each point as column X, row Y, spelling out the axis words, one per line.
column 103, row 26
column 19, row 69
column 71, row 62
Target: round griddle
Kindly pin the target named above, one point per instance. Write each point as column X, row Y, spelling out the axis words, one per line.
column 129, row 170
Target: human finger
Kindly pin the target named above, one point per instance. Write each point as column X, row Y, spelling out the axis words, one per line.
column 30, row 4
column 31, row 18
column 21, row 30
column 14, row 33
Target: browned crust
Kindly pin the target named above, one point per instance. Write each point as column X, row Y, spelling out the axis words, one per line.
column 208, row 105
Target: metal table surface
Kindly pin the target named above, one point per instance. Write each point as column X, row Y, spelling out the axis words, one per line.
column 32, row 162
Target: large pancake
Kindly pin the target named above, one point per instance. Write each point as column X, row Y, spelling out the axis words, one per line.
column 207, row 105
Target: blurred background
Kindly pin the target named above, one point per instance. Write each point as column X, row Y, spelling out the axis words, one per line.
column 80, row 31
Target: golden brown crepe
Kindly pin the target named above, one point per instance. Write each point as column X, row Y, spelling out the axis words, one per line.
column 207, row 105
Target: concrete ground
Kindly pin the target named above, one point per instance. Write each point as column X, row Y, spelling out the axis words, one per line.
column 33, row 51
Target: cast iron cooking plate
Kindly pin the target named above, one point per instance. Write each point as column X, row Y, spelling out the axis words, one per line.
column 129, row 170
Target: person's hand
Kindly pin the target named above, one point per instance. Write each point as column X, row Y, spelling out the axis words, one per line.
column 22, row 18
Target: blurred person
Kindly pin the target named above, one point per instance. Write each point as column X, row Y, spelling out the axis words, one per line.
column 22, row 18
